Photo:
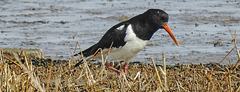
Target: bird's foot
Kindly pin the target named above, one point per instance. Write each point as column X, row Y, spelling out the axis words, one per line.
column 112, row 68
column 125, row 67
column 122, row 73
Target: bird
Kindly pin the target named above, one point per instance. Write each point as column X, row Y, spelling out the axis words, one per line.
column 126, row 39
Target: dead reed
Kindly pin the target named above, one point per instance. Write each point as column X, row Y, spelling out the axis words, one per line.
column 140, row 77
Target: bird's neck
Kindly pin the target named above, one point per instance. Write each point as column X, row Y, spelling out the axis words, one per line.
column 143, row 29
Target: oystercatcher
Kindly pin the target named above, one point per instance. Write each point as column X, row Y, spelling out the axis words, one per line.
column 127, row 38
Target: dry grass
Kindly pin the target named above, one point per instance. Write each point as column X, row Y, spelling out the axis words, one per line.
column 140, row 77
column 25, row 76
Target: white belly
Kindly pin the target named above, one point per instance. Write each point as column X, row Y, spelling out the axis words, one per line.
column 127, row 52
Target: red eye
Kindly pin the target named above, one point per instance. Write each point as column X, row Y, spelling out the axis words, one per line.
column 159, row 17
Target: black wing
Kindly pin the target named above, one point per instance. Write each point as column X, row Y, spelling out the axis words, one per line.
column 114, row 35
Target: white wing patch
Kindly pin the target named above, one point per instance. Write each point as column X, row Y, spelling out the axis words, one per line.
column 130, row 35
column 121, row 27
column 130, row 49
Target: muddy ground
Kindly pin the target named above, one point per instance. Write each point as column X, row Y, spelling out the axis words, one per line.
column 56, row 25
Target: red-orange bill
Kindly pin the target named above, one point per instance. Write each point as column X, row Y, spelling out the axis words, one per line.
column 167, row 28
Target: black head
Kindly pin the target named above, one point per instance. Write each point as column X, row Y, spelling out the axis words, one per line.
column 157, row 17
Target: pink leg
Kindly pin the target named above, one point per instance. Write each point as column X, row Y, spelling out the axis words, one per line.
column 125, row 67
column 112, row 68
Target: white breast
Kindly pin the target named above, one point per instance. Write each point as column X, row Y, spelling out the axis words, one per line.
column 130, row 49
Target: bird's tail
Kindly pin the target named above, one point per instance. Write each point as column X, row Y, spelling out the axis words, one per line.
column 88, row 52
column 79, row 62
